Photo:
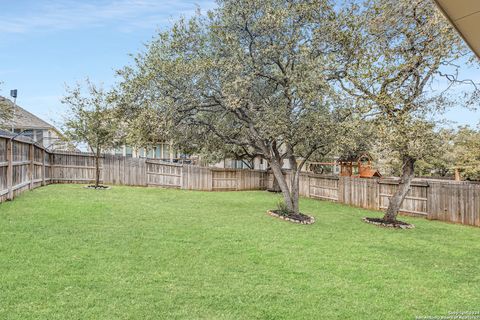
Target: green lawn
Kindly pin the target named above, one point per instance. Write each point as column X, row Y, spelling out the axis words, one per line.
column 143, row 253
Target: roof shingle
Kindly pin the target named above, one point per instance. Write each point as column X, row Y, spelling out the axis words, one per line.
column 23, row 119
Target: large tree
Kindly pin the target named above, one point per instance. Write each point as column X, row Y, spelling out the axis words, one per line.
column 393, row 50
column 91, row 119
column 251, row 76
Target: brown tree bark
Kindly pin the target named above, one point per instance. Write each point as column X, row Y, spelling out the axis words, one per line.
column 275, row 185
column 282, row 183
column 295, row 191
column 408, row 166
column 291, row 194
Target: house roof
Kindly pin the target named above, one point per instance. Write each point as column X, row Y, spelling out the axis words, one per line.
column 25, row 120
column 464, row 15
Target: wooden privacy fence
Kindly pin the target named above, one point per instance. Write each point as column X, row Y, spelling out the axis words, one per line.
column 452, row 201
column 80, row 168
column 25, row 166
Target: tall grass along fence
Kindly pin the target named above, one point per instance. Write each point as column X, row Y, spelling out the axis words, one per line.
column 24, row 166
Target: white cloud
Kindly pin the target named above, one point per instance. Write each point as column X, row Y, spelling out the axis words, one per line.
column 122, row 14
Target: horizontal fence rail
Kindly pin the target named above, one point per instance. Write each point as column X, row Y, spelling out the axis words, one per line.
column 25, row 166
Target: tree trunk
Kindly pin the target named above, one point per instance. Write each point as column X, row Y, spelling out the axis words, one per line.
column 282, row 183
column 97, row 168
column 275, row 185
column 295, row 191
column 404, row 186
column 294, row 182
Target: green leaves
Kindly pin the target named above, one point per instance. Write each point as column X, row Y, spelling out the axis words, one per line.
column 467, row 152
column 246, row 78
column 91, row 117
column 394, row 51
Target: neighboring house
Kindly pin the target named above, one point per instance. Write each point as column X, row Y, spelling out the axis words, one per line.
column 34, row 128
column 165, row 152
column 258, row 164
column 161, row 151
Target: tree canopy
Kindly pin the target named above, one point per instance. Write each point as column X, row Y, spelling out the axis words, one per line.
column 290, row 81
column 251, row 78
column 393, row 51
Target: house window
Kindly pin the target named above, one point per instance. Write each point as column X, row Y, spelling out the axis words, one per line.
column 151, row 153
column 166, row 151
column 158, row 152
column 28, row 133
column 119, row 151
column 128, row 151
column 39, row 136
column 141, row 152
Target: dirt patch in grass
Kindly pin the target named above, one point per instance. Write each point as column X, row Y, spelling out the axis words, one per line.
column 295, row 218
column 100, row 187
column 382, row 223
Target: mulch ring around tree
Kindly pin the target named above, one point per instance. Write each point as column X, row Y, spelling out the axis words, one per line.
column 295, row 218
column 274, row 191
column 382, row 223
column 100, row 187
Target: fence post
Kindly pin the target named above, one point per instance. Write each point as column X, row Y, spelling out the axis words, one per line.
column 43, row 167
column 31, row 166
column 341, row 189
column 308, row 185
column 238, row 177
column 181, row 176
column 10, row 169
column 211, row 179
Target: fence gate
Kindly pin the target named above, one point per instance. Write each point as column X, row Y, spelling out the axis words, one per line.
column 164, row 174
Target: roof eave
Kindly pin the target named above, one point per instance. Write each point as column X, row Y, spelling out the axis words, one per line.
column 454, row 25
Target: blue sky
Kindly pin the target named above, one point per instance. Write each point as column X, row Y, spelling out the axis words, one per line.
column 45, row 44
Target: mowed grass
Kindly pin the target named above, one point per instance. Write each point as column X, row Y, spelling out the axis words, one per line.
column 143, row 253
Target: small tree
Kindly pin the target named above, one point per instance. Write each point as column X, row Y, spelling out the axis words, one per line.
column 394, row 50
column 6, row 111
column 253, row 76
column 91, row 119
